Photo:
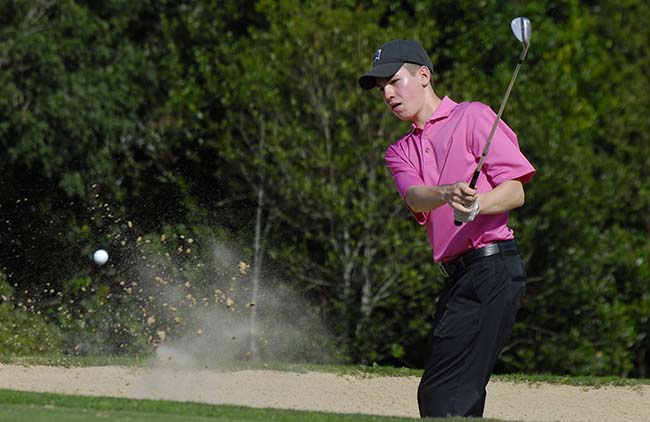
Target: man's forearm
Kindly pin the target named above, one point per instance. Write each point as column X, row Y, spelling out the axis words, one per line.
column 505, row 197
column 508, row 195
column 424, row 198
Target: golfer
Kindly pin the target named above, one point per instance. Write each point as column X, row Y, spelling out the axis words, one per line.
column 484, row 278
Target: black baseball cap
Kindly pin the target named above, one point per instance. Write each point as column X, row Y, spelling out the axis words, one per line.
column 390, row 57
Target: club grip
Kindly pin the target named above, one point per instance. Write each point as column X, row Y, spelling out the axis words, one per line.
column 472, row 184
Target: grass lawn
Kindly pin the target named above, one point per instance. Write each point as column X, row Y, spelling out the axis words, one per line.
column 17, row 406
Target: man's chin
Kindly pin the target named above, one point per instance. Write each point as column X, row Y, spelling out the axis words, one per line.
column 401, row 116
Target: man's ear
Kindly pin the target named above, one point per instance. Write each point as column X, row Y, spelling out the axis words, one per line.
column 424, row 75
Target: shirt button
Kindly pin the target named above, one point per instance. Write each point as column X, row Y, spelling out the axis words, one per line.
column 427, row 150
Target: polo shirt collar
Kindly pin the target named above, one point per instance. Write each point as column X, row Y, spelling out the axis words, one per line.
column 443, row 110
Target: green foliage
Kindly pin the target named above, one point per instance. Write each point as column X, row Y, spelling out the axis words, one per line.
column 137, row 127
column 23, row 333
column 97, row 323
column 585, row 244
column 317, row 152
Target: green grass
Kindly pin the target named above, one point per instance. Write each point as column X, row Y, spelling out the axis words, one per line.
column 19, row 406
column 73, row 361
column 578, row 381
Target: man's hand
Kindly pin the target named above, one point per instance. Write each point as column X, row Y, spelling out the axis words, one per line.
column 463, row 200
column 459, row 196
column 464, row 217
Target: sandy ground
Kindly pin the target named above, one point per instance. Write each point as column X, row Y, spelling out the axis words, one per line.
column 327, row 392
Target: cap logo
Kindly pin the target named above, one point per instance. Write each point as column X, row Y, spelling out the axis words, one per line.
column 377, row 56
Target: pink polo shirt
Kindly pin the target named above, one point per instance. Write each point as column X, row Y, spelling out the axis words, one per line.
column 447, row 151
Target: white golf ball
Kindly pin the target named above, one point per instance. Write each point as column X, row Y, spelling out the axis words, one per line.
column 100, row 257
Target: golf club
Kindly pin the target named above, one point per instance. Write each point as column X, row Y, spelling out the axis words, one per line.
column 521, row 27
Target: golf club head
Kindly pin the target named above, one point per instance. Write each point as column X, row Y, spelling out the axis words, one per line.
column 522, row 29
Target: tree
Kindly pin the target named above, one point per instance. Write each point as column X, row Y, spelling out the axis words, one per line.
column 77, row 132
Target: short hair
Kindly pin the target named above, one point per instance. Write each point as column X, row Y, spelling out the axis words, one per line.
column 412, row 67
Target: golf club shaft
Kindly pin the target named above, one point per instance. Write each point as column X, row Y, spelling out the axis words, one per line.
column 477, row 172
column 494, row 126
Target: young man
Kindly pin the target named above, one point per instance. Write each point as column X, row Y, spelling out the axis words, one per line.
column 484, row 274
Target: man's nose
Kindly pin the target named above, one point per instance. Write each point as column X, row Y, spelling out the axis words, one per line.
column 388, row 93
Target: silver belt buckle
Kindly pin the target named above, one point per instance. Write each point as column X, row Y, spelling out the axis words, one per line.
column 443, row 271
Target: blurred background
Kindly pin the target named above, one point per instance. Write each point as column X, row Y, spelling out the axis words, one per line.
column 225, row 157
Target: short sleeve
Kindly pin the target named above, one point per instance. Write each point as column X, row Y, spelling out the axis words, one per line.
column 504, row 160
column 405, row 176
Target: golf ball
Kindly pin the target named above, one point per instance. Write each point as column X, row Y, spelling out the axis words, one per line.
column 100, row 257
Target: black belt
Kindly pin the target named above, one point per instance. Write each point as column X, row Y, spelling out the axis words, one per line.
column 448, row 269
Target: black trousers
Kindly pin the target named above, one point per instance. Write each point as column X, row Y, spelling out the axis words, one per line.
column 474, row 318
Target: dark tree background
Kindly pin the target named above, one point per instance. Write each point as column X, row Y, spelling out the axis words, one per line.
column 160, row 130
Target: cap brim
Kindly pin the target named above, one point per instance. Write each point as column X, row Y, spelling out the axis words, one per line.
column 386, row 70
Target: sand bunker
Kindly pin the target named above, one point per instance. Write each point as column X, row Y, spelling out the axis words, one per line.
column 327, row 392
